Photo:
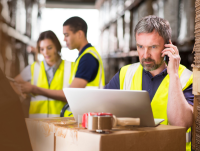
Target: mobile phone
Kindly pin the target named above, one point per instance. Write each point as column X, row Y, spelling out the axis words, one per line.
column 166, row 58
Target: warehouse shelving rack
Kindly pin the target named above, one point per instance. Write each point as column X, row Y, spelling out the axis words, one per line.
column 175, row 11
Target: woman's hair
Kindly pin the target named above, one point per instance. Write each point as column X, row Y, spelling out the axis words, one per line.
column 49, row 35
column 152, row 22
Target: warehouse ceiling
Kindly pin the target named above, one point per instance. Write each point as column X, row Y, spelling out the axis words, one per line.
column 70, row 3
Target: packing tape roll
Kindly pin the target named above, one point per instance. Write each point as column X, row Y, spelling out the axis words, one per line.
column 99, row 123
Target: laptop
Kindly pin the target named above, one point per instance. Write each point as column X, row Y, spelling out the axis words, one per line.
column 121, row 103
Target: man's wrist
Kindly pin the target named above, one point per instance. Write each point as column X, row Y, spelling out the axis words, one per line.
column 173, row 76
column 174, row 80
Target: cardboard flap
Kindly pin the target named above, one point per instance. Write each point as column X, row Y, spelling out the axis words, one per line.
column 14, row 134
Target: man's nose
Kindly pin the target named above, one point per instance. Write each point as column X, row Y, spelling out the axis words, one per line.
column 146, row 53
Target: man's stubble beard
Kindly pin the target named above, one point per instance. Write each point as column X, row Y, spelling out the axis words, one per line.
column 151, row 67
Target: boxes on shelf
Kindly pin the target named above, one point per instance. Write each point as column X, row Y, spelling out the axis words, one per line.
column 127, row 3
column 113, row 38
column 145, row 9
column 120, row 6
column 105, row 42
column 63, row 134
column 113, row 9
column 101, row 17
column 127, row 31
column 120, row 33
column 135, row 20
column 21, row 17
column 106, row 11
column 186, row 22
column 172, row 15
column 158, row 8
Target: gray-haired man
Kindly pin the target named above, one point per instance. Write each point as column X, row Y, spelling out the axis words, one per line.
column 169, row 86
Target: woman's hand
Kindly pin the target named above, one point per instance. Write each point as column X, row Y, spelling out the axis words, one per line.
column 26, row 87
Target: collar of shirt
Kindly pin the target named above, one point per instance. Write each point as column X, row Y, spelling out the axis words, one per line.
column 54, row 67
column 163, row 73
column 83, row 49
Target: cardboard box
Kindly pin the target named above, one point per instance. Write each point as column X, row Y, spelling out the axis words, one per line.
column 61, row 134
column 42, row 132
column 13, row 131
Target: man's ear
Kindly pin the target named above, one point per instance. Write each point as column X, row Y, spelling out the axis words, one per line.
column 80, row 34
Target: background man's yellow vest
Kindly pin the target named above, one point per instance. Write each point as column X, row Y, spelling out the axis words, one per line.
column 98, row 82
column 41, row 106
column 131, row 79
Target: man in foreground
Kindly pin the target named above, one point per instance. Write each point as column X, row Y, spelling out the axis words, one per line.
column 169, row 85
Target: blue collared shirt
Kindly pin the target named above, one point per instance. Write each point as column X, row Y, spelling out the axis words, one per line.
column 150, row 84
column 88, row 65
column 51, row 70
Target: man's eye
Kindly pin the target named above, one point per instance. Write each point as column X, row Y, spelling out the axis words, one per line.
column 153, row 46
column 140, row 46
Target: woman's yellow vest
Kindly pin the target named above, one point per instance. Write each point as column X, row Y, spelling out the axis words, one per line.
column 41, row 106
column 131, row 79
column 97, row 83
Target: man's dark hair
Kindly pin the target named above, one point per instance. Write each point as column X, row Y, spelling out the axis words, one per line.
column 76, row 23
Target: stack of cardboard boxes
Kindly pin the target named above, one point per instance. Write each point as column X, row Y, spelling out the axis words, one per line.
column 61, row 134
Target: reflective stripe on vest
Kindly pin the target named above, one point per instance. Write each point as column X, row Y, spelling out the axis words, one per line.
column 186, row 74
column 99, row 81
column 131, row 79
column 41, row 105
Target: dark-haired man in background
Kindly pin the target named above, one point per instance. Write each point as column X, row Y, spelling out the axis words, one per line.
column 88, row 68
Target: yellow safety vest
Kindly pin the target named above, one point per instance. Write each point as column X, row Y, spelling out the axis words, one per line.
column 98, row 82
column 41, row 106
column 131, row 79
